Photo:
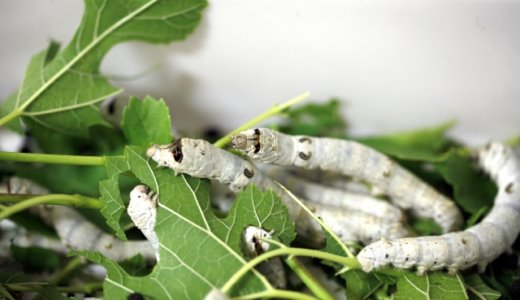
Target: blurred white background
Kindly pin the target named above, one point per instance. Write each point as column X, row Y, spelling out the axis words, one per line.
column 396, row 65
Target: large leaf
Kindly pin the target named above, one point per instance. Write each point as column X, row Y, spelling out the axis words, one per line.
column 198, row 250
column 61, row 90
column 146, row 122
column 430, row 286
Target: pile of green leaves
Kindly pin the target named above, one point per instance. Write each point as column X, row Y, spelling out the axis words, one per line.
column 58, row 103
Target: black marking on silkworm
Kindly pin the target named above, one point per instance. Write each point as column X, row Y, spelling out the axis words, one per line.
column 386, row 173
column 135, row 296
column 509, row 188
column 305, row 140
column 177, row 150
column 249, row 173
column 305, row 156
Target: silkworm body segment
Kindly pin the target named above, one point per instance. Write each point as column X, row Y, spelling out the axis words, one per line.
column 142, row 209
column 351, row 159
column 203, row 160
column 477, row 245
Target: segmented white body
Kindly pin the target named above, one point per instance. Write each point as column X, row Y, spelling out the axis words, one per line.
column 351, row 159
column 348, row 201
column 76, row 232
column 200, row 159
column 477, row 245
column 142, row 209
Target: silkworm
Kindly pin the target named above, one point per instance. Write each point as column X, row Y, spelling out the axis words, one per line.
column 142, row 209
column 351, row 159
column 200, row 159
column 348, row 201
column 477, row 245
column 76, row 232
column 253, row 245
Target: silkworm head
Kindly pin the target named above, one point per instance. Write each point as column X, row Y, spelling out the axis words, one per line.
column 248, row 141
column 139, row 193
column 252, row 243
column 162, row 155
column 375, row 255
column 239, row 142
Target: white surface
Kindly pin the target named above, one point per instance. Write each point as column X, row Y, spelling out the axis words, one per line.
column 396, row 64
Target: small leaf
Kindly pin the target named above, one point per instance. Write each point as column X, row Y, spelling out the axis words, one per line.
column 430, row 286
column 316, row 119
column 472, row 188
column 477, row 289
column 146, row 122
column 361, row 285
column 424, row 144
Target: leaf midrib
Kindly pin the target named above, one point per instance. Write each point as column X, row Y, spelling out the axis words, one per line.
column 82, row 53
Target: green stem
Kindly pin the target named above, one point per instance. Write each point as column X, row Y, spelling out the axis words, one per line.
column 60, row 199
column 8, row 198
column 53, row 158
column 346, row 261
column 10, row 116
column 274, row 293
column 304, row 274
column 72, row 265
column 267, row 114
column 308, row 279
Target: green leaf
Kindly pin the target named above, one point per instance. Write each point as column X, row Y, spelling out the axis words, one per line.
column 315, row 119
column 62, row 90
column 198, row 250
column 135, row 266
column 477, row 289
column 430, row 286
column 425, row 226
column 426, row 144
column 113, row 205
column 36, row 258
column 146, row 122
column 472, row 188
column 361, row 285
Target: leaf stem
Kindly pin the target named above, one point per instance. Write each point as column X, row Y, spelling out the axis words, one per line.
column 60, row 199
column 79, row 160
column 304, row 274
column 275, row 293
column 265, row 115
column 10, row 116
column 346, row 261
column 70, row 267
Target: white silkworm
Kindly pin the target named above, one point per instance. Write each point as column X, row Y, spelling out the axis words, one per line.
column 74, row 230
column 143, row 212
column 349, row 201
column 477, row 245
column 200, row 159
column 351, row 159
column 253, row 245
column 252, row 242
